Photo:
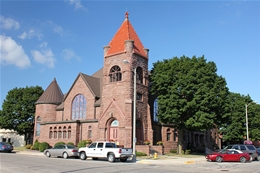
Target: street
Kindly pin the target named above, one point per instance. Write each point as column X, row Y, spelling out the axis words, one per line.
column 22, row 163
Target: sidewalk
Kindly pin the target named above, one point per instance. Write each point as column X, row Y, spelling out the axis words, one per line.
column 172, row 160
column 161, row 159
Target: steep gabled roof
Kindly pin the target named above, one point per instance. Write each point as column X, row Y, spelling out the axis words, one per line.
column 93, row 83
column 52, row 95
column 125, row 32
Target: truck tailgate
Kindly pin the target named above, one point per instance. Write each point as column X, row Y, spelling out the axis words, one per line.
column 126, row 151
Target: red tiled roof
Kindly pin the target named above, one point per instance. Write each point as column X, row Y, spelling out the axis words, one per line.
column 125, row 32
column 52, row 95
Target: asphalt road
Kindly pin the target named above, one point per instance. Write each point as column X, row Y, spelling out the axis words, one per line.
column 23, row 163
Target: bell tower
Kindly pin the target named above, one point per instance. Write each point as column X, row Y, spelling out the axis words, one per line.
column 124, row 58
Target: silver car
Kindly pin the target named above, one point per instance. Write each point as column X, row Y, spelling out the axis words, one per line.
column 62, row 150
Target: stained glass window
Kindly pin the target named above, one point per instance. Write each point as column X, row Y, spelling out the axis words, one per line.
column 115, row 123
column 155, row 110
column 79, row 106
column 38, row 126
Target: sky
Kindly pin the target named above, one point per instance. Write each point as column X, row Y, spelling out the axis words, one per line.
column 43, row 40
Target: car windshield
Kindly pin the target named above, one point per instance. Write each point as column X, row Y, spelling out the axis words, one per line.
column 71, row 146
column 4, row 143
column 228, row 147
column 223, row 151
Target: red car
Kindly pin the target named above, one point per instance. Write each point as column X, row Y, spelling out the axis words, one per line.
column 228, row 155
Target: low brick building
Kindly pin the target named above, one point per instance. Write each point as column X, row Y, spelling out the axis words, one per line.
column 100, row 106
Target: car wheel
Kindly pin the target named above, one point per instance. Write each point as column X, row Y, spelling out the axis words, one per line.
column 242, row 159
column 219, row 159
column 123, row 159
column 258, row 157
column 94, row 158
column 65, row 155
column 82, row 155
column 111, row 157
column 48, row 154
column 251, row 158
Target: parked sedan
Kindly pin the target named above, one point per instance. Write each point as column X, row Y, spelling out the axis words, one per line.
column 62, row 150
column 228, row 155
column 6, row 147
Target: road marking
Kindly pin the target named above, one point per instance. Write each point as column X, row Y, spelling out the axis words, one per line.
column 189, row 162
column 144, row 162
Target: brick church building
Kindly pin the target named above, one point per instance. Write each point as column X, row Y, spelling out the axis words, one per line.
column 100, row 106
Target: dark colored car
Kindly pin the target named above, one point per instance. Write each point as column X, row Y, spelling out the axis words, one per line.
column 245, row 148
column 258, row 150
column 6, row 147
column 231, row 155
column 62, row 150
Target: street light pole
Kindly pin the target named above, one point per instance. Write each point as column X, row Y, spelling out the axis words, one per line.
column 134, row 112
column 134, row 116
column 247, row 135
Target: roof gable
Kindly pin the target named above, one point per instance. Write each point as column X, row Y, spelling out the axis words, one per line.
column 92, row 83
column 125, row 32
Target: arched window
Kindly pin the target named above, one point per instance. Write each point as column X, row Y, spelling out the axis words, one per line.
column 155, row 110
column 50, row 133
column 59, row 133
column 89, row 132
column 175, row 134
column 38, row 126
column 168, row 137
column 55, row 133
column 64, row 132
column 139, row 75
column 69, row 132
column 115, row 74
column 79, row 106
column 115, row 123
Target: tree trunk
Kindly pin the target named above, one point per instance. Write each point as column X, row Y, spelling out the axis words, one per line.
column 180, row 141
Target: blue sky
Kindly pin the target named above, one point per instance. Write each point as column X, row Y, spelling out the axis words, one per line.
column 43, row 40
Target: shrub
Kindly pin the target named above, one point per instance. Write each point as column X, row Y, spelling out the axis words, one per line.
column 147, row 142
column 159, row 143
column 28, row 146
column 82, row 143
column 173, row 151
column 58, row 143
column 70, row 143
column 138, row 153
column 186, row 151
column 32, row 148
column 89, row 141
column 43, row 146
column 36, row 145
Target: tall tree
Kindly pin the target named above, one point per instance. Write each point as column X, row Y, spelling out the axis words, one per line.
column 18, row 110
column 190, row 94
column 234, row 127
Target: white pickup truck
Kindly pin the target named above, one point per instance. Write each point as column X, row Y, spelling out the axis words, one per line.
column 105, row 149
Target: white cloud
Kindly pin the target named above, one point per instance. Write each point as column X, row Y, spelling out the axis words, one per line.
column 69, row 54
column 77, row 4
column 56, row 28
column 8, row 23
column 12, row 53
column 44, row 56
column 31, row 33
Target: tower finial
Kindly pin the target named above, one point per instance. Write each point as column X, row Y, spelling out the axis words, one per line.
column 126, row 15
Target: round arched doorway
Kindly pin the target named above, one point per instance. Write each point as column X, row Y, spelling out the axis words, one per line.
column 114, row 130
